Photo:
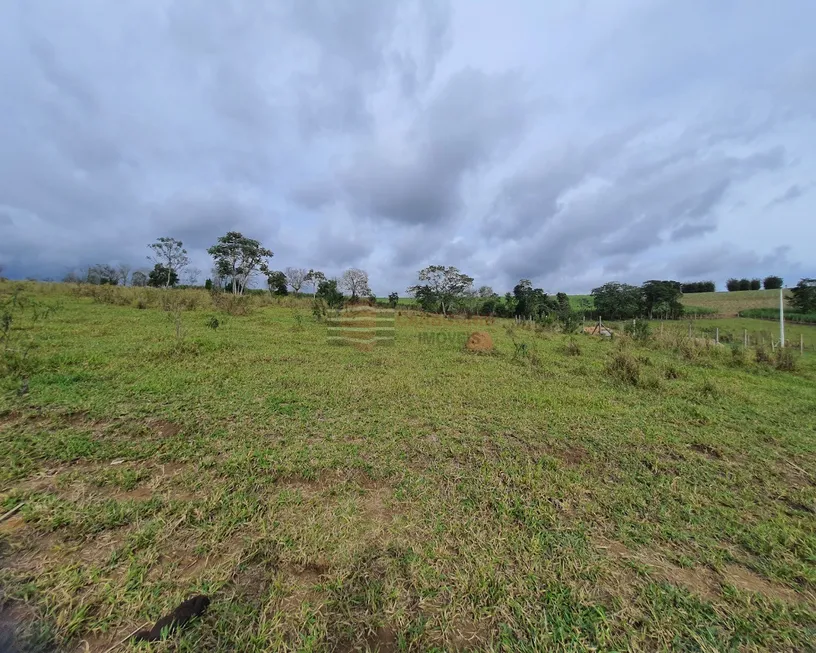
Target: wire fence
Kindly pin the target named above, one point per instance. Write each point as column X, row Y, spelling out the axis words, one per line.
column 798, row 337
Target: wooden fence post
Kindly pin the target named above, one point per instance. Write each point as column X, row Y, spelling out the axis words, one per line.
column 717, row 335
column 745, row 338
column 801, row 344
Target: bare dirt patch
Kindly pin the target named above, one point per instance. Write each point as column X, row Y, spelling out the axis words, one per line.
column 375, row 504
column 699, row 580
column 142, row 493
column 571, row 454
column 384, row 640
column 748, row 581
column 9, row 418
column 164, row 428
column 466, row 634
column 302, row 584
column 703, row 581
column 707, row 450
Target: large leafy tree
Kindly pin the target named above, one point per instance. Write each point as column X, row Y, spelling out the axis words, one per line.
column 618, row 301
column 277, row 283
column 444, row 286
column 162, row 277
column 803, row 296
column 531, row 302
column 237, row 258
column 328, row 292
column 314, row 278
column 662, row 299
column 170, row 254
column 772, row 282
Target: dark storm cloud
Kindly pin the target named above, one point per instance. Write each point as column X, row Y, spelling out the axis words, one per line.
column 722, row 261
column 472, row 119
column 635, row 213
column 393, row 135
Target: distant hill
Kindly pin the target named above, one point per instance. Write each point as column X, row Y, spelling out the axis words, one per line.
column 731, row 303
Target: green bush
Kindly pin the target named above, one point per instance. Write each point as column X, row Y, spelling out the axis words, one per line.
column 18, row 339
column 624, row 368
column 638, row 330
column 785, row 360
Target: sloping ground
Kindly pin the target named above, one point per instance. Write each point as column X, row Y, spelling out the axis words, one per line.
column 585, row 494
column 731, row 303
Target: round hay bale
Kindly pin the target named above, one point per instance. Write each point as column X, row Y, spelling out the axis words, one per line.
column 479, row 341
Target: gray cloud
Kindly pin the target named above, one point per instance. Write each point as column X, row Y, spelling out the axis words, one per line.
column 792, row 193
column 564, row 143
column 472, row 119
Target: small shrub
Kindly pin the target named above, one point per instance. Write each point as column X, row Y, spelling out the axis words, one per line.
column 231, row 304
column 785, row 360
column 672, row 373
column 638, row 330
column 318, row 309
column 298, row 319
column 212, row 323
column 645, row 361
column 570, row 322
column 572, row 348
column 521, row 350
column 709, row 389
column 738, row 356
column 762, row 355
column 18, row 339
column 624, row 368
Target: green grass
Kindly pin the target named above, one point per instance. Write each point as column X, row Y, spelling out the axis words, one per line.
column 731, row 303
column 773, row 314
column 611, row 495
column 578, row 302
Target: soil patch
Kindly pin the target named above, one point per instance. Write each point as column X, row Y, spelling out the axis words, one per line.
column 466, row 634
column 374, row 504
column 747, row 581
column 707, row 450
column 700, row 580
column 384, row 640
column 164, row 428
column 479, row 341
column 572, row 455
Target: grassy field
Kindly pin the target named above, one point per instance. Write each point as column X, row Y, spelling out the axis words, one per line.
column 559, row 493
column 734, row 331
column 731, row 303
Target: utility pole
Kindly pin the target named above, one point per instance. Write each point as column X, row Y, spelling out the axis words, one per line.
column 781, row 318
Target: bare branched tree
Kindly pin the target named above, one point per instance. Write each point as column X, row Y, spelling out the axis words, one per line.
column 123, row 272
column 295, row 278
column 139, row 278
column 191, row 276
column 355, row 282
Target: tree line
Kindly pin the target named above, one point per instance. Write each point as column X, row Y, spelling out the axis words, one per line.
column 769, row 283
column 237, row 259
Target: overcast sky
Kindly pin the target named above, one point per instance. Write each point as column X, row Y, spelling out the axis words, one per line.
column 569, row 142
